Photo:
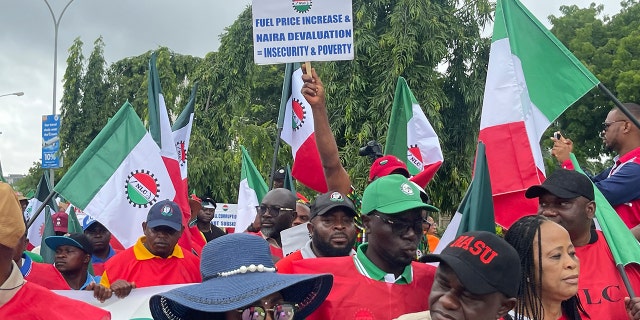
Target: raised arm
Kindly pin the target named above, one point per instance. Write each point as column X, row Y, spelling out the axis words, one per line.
column 335, row 174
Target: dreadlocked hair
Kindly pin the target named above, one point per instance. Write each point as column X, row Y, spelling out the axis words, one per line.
column 522, row 235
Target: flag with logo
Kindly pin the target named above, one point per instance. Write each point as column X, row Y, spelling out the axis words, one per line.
column 160, row 129
column 119, row 177
column 411, row 137
column 298, row 132
column 532, row 78
column 250, row 193
column 182, row 134
column 475, row 212
column 36, row 229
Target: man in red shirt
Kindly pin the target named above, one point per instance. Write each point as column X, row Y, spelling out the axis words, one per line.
column 274, row 214
column 20, row 299
column 156, row 259
column 332, row 229
column 566, row 197
column 382, row 280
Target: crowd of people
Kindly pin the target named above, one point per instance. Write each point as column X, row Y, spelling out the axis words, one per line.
column 552, row 265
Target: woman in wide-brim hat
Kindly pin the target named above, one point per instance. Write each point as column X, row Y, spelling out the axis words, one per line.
column 237, row 272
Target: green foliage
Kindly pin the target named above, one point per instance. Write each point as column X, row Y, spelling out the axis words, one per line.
column 610, row 48
column 30, row 181
column 435, row 45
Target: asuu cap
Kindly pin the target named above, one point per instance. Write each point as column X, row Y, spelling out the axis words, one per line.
column 483, row 262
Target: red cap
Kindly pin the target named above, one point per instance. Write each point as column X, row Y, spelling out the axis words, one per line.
column 386, row 165
column 60, row 221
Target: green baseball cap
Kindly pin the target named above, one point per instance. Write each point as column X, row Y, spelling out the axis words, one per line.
column 392, row 194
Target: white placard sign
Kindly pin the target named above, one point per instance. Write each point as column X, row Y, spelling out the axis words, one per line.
column 287, row 31
column 225, row 215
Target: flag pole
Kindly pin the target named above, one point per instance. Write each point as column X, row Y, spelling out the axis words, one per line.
column 286, row 92
column 42, row 206
column 618, row 104
column 625, row 279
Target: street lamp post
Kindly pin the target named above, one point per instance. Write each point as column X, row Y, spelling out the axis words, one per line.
column 56, row 24
column 13, row 94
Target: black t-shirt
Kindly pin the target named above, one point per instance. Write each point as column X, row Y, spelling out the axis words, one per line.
column 214, row 233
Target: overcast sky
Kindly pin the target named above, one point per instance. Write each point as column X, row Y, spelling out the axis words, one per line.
column 129, row 28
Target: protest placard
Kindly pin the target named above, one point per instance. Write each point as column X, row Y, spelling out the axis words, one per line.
column 302, row 30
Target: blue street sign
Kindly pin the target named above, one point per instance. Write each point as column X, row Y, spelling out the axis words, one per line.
column 50, row 142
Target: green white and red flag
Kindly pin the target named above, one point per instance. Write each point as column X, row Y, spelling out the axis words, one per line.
column 298, row 132
column 532, row 78
column 411, row 137
column 182, row 134
column 36, row 230
column 160, row 129
column 250, row 193
column 119, row 177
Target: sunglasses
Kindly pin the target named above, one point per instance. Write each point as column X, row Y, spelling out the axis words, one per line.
column 400, row 228
column 606, row 125
column 273, row 210
column 284, row 311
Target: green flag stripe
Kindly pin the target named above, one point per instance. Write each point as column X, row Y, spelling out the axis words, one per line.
column 103, row 156
column 154, row 89
column 185, row 115
column 401, row 112
column 548, row 66
column 250, row 172
column 623, row 245
column 477, row 205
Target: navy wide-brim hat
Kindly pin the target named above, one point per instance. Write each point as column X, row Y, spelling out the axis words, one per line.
column 224, row 288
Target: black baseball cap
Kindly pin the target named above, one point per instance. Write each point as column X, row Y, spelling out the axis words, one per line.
column 483, row 262
column 330, row 200
column 78, row 240
column 565, row 184
column 165, row 213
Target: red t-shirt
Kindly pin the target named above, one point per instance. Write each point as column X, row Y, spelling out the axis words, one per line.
column 355, row 296
column 138, row 265
column 600, row 286
column 285, row 264
column 46, row 275
column 33, row 302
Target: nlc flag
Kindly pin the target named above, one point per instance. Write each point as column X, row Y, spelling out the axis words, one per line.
column 119, row 177
column 532, row 78
column 298, row 132
column 411, row 137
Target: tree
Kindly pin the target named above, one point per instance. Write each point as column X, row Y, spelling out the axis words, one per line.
column 610, row 48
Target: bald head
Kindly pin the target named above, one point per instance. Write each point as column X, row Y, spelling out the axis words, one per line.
column 280, row 197
column 280, row 205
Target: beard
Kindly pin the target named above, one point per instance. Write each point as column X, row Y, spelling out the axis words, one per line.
column 268, row 231
column 327, row 250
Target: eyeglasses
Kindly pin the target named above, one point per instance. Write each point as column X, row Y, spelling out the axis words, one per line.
column 606, row 125
column 273, row 210
column 402, row 227
column 284, row 311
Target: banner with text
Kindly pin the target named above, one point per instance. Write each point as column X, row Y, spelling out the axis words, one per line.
column 50, row 142
column 225, row 215
column 289, row 31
